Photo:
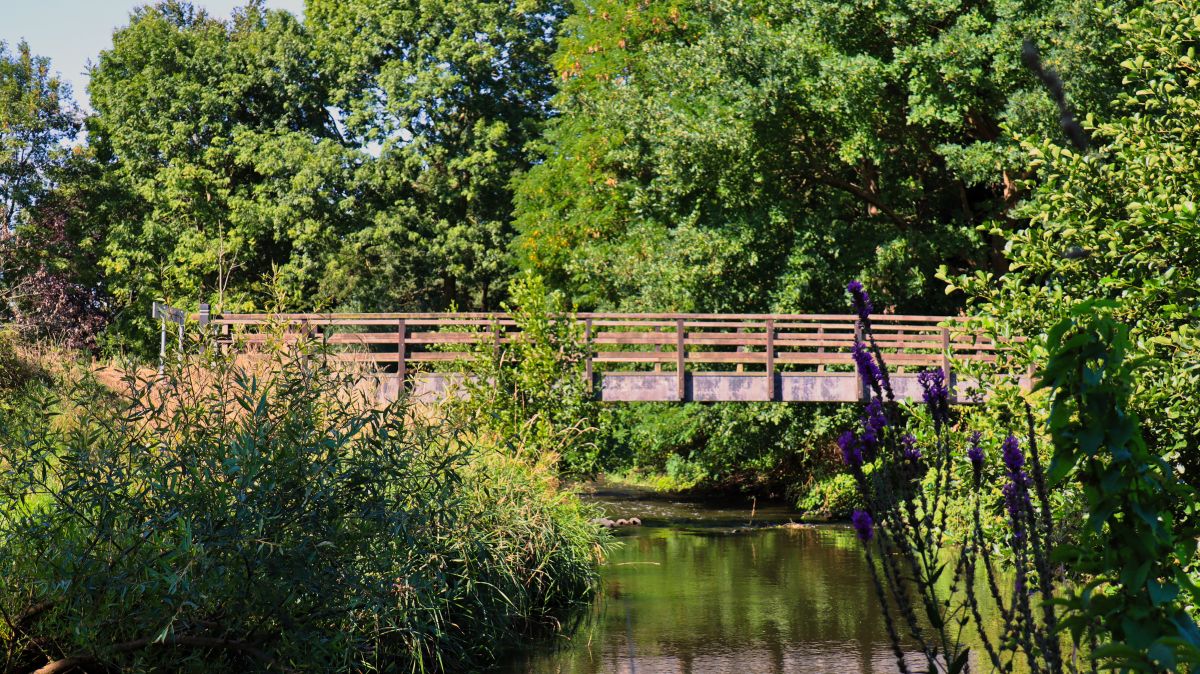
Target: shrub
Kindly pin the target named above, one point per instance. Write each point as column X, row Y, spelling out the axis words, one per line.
column 1118, row 222
column 832, row 497
column 236, row 517
column 683, row 472
column 529, row 394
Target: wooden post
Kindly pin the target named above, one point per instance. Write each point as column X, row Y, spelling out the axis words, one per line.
column 657, row 349
column 680, row 357
column 204, row 319
column 496, row 341
column 771, row 360
column 740, row 349
column 821, row 347
column 946, row 363
column 587, row 365
column 859, row 387
column 401, row 353
column 162, row 344
column 180, row 322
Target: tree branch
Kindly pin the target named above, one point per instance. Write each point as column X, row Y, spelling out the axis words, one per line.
column 866, row 196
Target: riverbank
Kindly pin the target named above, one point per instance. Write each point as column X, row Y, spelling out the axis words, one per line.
column 828, row 498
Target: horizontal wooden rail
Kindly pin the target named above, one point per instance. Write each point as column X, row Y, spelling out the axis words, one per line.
column 680, row 356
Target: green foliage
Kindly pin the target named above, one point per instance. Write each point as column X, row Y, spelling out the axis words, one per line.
column 1133, row 551
column 219, row 160
column 720, row 156
column 716, row 156
column 449, row 92
column 683, row 473
column 1118, row 223
column 234, row 518
column 831, row 497
column 760, row 447
column 36, row 119
column 528, row 392
column 366, row 154
column 36, row 116
column 1119, row 582
column 644, row 436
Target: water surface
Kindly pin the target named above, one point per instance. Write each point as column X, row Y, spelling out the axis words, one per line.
column 714, row 589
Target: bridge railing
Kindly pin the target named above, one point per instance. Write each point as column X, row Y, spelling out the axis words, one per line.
column 667, row 343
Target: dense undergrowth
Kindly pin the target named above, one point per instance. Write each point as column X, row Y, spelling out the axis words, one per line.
column 268, row 515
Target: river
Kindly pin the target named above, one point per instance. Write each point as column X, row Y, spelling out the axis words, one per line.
column 710, row 589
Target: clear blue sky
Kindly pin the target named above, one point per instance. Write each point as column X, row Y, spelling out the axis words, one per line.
column 72, row 32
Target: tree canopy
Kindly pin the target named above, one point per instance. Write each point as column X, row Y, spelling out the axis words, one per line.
column 1119, row 223
column 216, row 136
column 36, row 117
column 756, row 155
column 447, row 94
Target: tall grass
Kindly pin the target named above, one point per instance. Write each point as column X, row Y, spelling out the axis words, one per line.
column 269, row 515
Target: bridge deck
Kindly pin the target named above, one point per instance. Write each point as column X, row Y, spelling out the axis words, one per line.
column 636, row 357
column 624, row 387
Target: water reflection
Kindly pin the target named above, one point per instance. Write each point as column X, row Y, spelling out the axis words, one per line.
column 715, row 596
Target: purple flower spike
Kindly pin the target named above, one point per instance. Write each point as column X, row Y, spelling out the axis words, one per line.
column 975, row 452
column 1016, row 492
column 862, row 301
column 1016, row 501
column 937, row 395
column 875, row 420
column 908, row 449
column 867, row 368
column 1011, row 452
column 851, row 449
column 864, row 526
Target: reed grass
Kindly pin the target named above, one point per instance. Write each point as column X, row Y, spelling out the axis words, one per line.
column 229, row 517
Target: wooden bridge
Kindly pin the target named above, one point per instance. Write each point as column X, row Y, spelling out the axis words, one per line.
column 634, row 357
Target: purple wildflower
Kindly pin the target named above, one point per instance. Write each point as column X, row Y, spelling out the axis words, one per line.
column 1016, row 500
column 864, row 526
column 975, row 452
column 908, row 448
column 875, row 420
column 867, row 368
column 851, row 449
column 1016, row 492
column 1011, row 452
column 862, row 301
column 937, row 395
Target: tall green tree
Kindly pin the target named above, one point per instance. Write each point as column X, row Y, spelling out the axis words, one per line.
column 1120, row 222
column 223, row 160
column 36, row 117
column 733, row 156
column 448, row 93
column 40, row 288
